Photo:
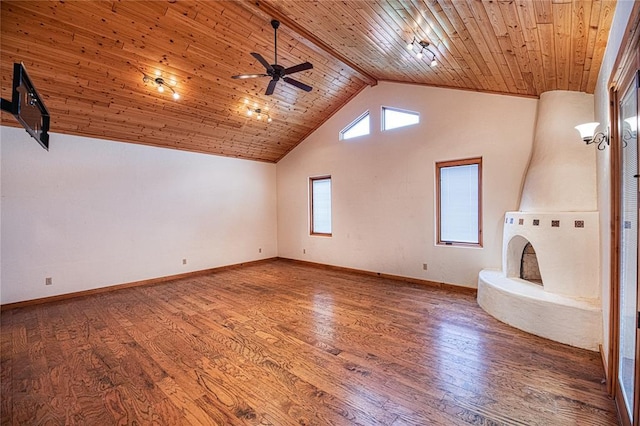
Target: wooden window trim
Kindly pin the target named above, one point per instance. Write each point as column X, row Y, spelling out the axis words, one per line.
column 628, row 78
column 311, row 180
column 453, row 163
column 627, row 62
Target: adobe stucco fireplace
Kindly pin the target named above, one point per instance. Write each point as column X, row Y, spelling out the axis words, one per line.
column 558, row 217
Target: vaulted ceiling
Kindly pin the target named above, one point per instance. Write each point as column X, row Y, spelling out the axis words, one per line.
column 88, row 59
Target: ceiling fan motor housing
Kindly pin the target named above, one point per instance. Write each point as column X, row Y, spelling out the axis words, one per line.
column 276, row 71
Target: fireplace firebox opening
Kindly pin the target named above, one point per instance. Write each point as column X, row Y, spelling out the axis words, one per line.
column 529, row 269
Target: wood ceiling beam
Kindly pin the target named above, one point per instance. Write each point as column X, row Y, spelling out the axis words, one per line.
column 293, row 25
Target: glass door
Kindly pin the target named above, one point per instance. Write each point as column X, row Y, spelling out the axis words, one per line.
column 628, row 308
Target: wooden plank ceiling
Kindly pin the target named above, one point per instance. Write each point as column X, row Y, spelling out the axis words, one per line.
column 88, row 59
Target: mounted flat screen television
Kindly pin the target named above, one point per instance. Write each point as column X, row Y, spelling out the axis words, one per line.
column 27, row 106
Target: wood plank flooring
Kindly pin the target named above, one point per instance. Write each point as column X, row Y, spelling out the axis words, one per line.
column 283, row 343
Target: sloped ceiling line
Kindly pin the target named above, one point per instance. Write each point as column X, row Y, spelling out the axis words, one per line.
column 80, row 55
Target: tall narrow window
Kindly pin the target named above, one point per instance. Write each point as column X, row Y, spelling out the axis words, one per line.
column 393, row 118
column 359, row 127
column 320, row 205
column 459, row 202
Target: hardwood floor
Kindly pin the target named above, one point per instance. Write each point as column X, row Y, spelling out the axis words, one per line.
column 285, row 343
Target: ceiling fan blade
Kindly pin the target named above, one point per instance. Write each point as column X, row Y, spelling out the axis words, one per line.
column 242, row 76
column 298, row 84
column 297, row 68
column 264, row 63
column 271, row 87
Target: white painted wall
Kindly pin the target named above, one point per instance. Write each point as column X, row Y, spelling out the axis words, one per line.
column 561, row 176
column 92, row 213
column 618, row 26
column 383, row 184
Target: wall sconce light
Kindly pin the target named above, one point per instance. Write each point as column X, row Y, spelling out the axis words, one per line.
column 588, row 135
column 422, row 46
column 259, row 113
column 160, row 84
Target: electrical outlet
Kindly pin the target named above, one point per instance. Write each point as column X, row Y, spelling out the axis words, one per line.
column 259, row 250
column 424, row 266
column 184, row 261
column 304, row 251
column 48, row 281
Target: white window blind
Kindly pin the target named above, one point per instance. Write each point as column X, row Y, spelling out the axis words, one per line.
column 459, row 202
column 321, row 205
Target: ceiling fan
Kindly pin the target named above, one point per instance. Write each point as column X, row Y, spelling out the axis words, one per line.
column 277, row 72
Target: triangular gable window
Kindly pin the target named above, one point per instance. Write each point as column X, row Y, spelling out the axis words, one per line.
column 359, row 127
column 393, row 118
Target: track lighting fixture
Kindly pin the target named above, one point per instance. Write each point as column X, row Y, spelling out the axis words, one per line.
column 259, row 113
column 411, row 45
column 422, row 47
column 161, row 83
